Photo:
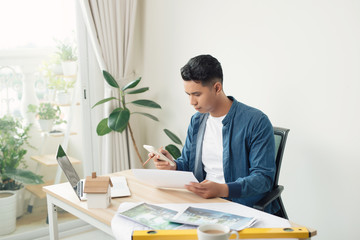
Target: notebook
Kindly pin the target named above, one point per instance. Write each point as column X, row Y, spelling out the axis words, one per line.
column 119, row 189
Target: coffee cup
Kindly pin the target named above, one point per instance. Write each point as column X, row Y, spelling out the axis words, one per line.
column 215, row 232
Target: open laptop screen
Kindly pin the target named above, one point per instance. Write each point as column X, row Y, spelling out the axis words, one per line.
column 67, row 167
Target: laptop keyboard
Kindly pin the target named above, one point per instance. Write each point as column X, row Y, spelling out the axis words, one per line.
column 81, row 188
column 120, row 187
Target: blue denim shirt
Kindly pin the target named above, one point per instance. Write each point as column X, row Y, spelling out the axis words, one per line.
column 248, row 153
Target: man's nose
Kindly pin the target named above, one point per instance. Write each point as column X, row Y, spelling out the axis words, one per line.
column 193, row 101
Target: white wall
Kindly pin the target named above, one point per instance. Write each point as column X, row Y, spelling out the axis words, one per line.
column 298, row 61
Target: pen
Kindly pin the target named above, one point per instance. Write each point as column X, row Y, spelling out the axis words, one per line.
column 147, row 161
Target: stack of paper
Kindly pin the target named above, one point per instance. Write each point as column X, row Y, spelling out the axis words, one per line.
column 164, row 179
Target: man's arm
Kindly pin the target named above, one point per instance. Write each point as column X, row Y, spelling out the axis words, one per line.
column 183, row 162
column 209, row 189
column 262, row 163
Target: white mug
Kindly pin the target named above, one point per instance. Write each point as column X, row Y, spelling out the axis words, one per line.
column 215, row 232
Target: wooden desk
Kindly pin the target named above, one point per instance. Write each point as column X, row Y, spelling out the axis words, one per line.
column 63, row 196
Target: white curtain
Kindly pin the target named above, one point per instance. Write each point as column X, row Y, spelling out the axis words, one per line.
column 110, row 25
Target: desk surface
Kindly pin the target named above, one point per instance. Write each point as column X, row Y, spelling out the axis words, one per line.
column 139, row 192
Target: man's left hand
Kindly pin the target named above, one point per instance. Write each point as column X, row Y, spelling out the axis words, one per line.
column 208, row 189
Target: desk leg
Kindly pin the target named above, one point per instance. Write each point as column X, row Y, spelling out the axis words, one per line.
column 52, row 215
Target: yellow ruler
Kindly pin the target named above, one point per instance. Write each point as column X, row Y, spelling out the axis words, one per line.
column 248, row 233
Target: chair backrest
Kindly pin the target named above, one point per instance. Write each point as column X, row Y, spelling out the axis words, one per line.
column 280, row 135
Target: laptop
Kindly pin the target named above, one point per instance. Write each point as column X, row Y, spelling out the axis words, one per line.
column 119, row 189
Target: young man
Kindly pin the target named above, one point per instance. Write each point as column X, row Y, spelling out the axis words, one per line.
column 229, row 146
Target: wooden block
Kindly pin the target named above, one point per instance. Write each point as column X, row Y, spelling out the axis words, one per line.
column 50, row 160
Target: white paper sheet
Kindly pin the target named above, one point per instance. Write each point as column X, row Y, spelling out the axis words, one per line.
column 164, row 178
column 122, row 228
column 120, row 187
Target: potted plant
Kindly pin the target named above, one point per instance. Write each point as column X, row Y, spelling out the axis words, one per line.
column 52, row 65
column 13, row 139
column 63, row 93
column 118, row 119
column 67, row 53
column 7, row 212
column 47, row 114
column 55, row 65
column 52, row 79
column 58, row 85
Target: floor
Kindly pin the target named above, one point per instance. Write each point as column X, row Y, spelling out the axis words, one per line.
column 90, row 235
column 36, row 221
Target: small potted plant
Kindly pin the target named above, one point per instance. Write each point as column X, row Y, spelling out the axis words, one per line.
column 58, row 85
column 47, row 114
column 52, row 79
column 67, row 53
column 63, row 94
column 53, row 65
column 14, row 138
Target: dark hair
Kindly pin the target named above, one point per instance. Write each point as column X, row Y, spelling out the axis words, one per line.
column 203, row 68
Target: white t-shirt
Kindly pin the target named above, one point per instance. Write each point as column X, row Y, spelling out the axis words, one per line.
column 212, row 150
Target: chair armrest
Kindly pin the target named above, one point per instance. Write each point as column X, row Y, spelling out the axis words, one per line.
column 269, row 197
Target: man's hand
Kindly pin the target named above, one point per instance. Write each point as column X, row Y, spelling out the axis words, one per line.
column 208, row 189
column 162, row 165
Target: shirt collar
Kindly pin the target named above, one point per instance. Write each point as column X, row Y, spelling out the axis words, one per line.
column 231, row 112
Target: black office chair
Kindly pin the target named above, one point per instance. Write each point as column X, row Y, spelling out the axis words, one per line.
column 275, row 193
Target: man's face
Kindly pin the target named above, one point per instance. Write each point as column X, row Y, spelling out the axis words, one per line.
column 203, row 98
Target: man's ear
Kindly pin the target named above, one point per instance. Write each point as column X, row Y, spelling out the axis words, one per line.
column 218, row 87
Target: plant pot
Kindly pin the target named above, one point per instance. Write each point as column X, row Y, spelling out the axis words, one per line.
column 63, row 97
column 7, row 212
column 46, row 125
column 69, row 68
column 20, row 201
column 57, row 69
column 51, row 95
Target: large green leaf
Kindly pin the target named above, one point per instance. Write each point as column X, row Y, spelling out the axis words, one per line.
column 102, row 127
column 140, row 90
column 147, row 115
column 132, row 84
column 173, row 150
column 146, row 103
column 104, row 101
column 172, row 136
column 119, row 119
column 23, row 176
column 120, row 130
column 110, row 79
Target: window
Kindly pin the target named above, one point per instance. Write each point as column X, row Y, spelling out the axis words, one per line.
column 35, row 23
column 31, row 32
